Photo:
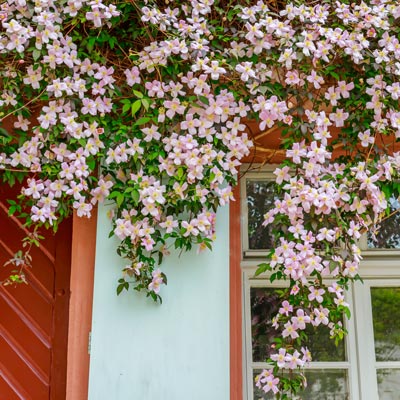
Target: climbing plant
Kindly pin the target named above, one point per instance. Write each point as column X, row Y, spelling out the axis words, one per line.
column 144, row 105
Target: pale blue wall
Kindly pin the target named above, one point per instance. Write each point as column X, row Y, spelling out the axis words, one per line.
column 176, row 351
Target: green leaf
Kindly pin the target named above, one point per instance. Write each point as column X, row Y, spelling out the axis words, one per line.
column 142, row 121
column 113, row 195
column 112, row 42
column 120, row 199
column 335, row 75
column 126, row 108
column 179, row 173
column 135, row 196
column 91, row 162
column 146, row 104
column 120, row 288
column 204, row 100
column 36, row 54
column 12, row 209
column 90, row 44
column 4, row 132
column 139, row 95
column 262, row 268
column 135, row 107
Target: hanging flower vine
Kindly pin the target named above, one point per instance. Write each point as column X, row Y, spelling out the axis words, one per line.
column 144, row 104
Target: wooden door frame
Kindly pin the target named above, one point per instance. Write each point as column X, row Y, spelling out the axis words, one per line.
column 235, row 286
column 80, row 306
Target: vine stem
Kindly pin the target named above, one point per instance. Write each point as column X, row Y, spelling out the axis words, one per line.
column 23, row 106
column 390, row 215
column 14, row 170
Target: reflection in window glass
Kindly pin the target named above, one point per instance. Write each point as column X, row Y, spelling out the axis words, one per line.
column 265, row 303
column 260, row 199
column 386, row 317
column 388, row 235
column 322, row 347
column 324, row 384
column 388, row 384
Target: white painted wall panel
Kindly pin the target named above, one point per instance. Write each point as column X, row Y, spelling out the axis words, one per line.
column 176, row 351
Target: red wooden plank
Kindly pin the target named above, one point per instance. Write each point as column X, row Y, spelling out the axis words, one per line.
column 34, row 317
column 10, row 388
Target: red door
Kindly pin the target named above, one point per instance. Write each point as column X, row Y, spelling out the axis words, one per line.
column 34, row 317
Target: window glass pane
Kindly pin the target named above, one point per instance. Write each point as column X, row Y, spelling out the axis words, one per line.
column 386, row 320
column 265, row 303
column 322, row 347
column 388, row 236
column 323, row 384
column 260, row 199
column 388, row 384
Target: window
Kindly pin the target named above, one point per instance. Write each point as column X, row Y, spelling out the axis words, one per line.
column 366, row 365
column 259, row 198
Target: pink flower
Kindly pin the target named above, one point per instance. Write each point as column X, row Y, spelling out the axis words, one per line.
column 316, row 80
column 339, row 117
column 366, row 138
column 321, row 316
column 155, row 284
column 173, row 107
column 280, row 358
column 246, row 71
column 294, row 360
column 214, row 70
column 190, row 228
column 132, row 76
column 286, row 308
column 316, row 294
column 148, row 243
column 282, row 174
column 332, row 96
column 301, row 319
column 169, row 224
column 83, row 209
column 290, row 330
column 344, row 88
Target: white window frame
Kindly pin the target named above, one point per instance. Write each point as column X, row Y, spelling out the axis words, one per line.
column 360, row 364
column 350, row 364
column 364, row 323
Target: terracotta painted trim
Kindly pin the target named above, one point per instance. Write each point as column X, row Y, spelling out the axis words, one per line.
column 235, row 286
column 80, row 307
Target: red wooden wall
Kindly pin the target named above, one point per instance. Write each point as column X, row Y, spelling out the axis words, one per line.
column 34, row 317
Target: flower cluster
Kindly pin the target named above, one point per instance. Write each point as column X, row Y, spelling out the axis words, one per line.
column 169, row 143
